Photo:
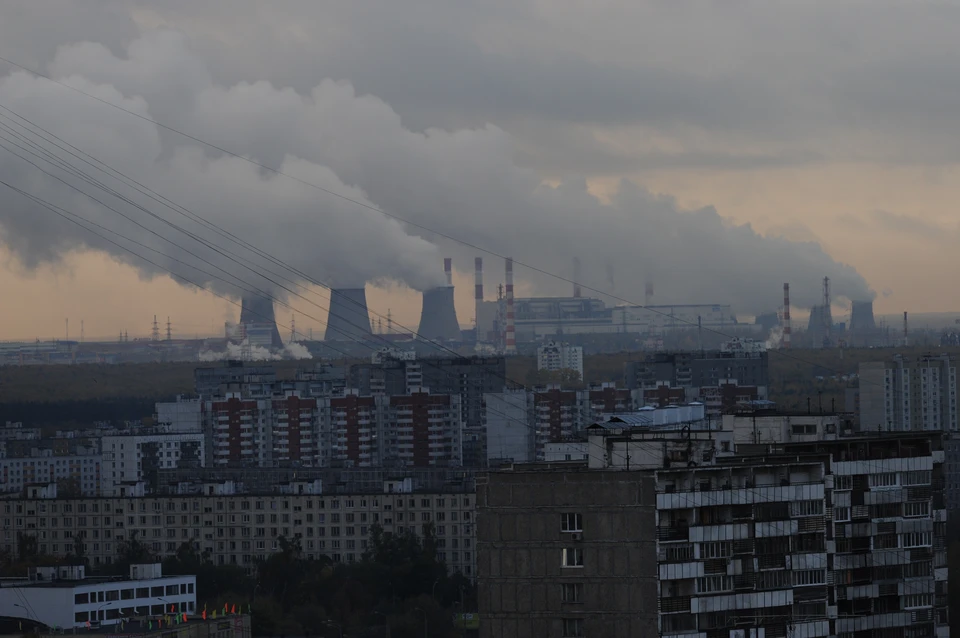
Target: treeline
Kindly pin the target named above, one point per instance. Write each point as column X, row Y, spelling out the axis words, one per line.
column 82, row 412
column 397, row 583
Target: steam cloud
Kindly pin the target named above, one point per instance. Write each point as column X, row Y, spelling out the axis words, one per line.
column 462, row 183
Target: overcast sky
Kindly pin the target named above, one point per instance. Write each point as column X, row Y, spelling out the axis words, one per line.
column 717, row 149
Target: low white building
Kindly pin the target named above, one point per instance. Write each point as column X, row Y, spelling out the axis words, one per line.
column 64, row 597
column 554, row 356
column 132, row 458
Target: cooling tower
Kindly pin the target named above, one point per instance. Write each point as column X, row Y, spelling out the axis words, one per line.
column 438, row 320
column 258, row 311
column 349, row 319
column 861, row 318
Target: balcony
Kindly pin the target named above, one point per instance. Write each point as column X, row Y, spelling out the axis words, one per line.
column 673, row 533
column 675, row 605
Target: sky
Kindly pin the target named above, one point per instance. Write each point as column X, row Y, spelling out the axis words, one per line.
column 714, row 149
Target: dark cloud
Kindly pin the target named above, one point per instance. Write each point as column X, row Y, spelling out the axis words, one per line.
column 463, row 180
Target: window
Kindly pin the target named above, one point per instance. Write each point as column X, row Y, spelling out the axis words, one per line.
column 572, row 627
column 911, row 601
column 572, row 557
column 571, row 592
column 809, row 577
column 719, row 549
column 921, row 477
column 80, row 599
column 710, row 584
column 885, row 479
column 841, row 513
column 806, row 508
column 915, row 539
column 571, row 523
column 842, row 482
column 921, row 508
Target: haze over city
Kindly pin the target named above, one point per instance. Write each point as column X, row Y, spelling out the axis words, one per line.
column 653, row 143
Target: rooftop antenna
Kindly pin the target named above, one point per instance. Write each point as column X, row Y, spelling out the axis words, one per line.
column 155, row 333
column 311, row 334
column 126, row 336
column 169, row 330
column 380, row 325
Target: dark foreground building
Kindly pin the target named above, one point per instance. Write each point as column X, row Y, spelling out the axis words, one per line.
column 582, row 562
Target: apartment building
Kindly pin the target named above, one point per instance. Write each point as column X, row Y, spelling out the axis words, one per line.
column 85, row 470
column 909, row 394
column 825, row 537
column 554, row 356
column 553, row 543
column 129, row 459
column 425, row 429
column 240, row 529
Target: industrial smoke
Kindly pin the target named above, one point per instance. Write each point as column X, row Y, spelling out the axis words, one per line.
column 459, row 183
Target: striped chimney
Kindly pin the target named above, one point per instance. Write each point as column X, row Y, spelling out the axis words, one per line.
column 785, row 342
column 448, row 270
column 511, row 334
column 478, row 290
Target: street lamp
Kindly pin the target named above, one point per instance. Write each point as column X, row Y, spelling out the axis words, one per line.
column 425, row 624
column 338, row 626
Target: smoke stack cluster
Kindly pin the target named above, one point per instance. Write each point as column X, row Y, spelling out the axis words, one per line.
column 786, row 316
column 438, row 317
column 348, row 319
column 510, row 341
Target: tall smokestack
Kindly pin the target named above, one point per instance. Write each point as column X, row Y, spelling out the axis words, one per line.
column 510, row 346
column 785, row 342
column 478, row 292
column 448, row 270
column 349, row 319
column 906, row 338
column 258, row 311
column 577, row 292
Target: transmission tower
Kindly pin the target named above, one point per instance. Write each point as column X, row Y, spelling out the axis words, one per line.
column 169, row 330
column 155, row 333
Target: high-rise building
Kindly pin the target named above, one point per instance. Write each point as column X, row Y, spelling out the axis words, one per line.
column 424, row 429
column 565, row 552
column 903, row 395
column 811, row 535
column 554, row 356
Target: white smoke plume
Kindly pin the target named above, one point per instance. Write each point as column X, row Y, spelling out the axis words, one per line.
column 245, row 352
column 462, row 183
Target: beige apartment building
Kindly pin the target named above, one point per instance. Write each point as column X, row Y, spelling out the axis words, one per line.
column 240, row 529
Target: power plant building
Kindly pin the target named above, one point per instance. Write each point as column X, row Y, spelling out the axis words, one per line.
column 542, row 318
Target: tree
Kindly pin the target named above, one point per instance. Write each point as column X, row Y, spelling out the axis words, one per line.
column 69, row 488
